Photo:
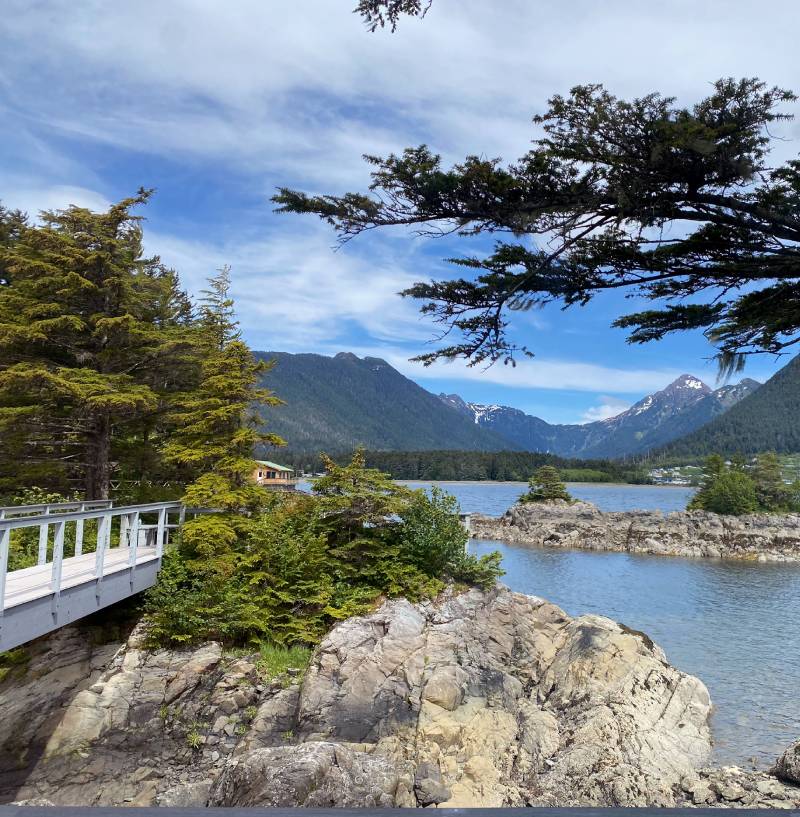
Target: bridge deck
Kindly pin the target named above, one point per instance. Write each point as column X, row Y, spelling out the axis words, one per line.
column 32, row 583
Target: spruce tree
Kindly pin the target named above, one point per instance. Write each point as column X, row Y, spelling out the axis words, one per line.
column 91, row 335
column 772, row 492
column 217, row 427
column 546, row 486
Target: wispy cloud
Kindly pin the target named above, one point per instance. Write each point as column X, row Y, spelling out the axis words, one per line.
column 609, row 406
column 571, row 375
column 293, row 293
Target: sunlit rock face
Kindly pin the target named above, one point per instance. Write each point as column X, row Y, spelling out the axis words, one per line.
column 478, row 699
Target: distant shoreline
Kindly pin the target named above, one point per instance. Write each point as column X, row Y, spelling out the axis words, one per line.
column 517, row 482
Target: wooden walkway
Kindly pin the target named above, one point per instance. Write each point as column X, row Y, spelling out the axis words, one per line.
column 33, row 583
column 62, row 587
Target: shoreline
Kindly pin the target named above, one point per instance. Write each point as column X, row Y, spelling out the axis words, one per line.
column 524, row 483
column 686, row 534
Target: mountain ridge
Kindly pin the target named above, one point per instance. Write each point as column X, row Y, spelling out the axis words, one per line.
column 336, row 403
column 767, row 419
column 681, row 407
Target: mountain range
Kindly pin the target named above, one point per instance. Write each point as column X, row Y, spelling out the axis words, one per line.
column 683, row 406
column 335, row 403
column 767, row 420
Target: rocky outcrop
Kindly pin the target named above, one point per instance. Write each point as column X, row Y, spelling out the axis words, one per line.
column 788, row 765
column 479, row 699
column 758, row 537
column 732, row 787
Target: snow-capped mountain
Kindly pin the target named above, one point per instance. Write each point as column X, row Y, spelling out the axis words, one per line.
column 683, row 406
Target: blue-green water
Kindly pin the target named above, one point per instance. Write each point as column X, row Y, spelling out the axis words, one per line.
column 733, row 624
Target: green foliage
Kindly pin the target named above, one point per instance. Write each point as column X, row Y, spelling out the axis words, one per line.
column 546, row 486
column 772, row 493
column 304, row 562
column 275, row 661
column 738, row 487
column 433, row 540
column 216, row 430
column 13, row 663
column 92, row 342
column 603, row 180
column 725, row 489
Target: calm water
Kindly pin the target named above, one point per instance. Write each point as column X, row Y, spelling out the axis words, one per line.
column 495, row 498
column 732, row 624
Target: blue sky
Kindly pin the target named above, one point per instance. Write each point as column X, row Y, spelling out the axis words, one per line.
column 215, row 105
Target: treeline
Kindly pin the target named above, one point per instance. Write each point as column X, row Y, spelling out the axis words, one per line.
column 112, row 381
column 513, row 466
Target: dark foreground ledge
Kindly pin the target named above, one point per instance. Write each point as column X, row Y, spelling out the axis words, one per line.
column 81, row 811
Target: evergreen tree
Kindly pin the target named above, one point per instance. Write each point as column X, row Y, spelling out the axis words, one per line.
column 772, row 492
column 217, row 429
column 605, row 181
column 92, row 335
column 725, row 489
column 546, row 486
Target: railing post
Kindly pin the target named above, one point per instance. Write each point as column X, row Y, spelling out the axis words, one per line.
column 79, row 533
column 5, row 544
column 133, row 538
column 103, row 541
column 58, row 558
column 161, row 532
column 124, row 524
column 43, row 531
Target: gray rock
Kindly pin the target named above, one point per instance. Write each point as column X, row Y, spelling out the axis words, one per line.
column 768, row 538
column 321, row 775
column 788, row 765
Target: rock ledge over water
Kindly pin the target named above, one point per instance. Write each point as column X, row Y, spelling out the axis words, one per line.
column 758, row 537
column 478, row 699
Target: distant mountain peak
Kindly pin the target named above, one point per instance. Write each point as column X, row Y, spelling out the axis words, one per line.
column 688, row 382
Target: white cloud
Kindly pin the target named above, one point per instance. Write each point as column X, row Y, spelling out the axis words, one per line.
column 301, row 90
column 539, row 373
column 293, row 293
column 32, row 199
column 608, row 407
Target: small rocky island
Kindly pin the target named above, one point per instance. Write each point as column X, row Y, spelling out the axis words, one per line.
column 477, row 699
column 561, row 524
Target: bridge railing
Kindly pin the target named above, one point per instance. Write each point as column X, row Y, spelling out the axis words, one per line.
column 132, row 531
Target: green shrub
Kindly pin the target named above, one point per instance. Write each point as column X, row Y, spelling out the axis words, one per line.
column 306, row 562
column 725, row 489
column 545, row 486
column 433, row 540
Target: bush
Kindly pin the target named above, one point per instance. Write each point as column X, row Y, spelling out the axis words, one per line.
column 725, row 490
column 306, row 562
column 545, row 486
column 434, row 541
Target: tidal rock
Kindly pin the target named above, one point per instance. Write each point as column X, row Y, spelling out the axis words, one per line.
column 788, row 765
column 758, row 537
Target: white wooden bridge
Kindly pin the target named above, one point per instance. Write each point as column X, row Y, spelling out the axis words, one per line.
column 75, row 574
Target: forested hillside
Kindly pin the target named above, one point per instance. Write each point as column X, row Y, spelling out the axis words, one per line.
column 337, row 403
column 766, row 420
column 481, row 465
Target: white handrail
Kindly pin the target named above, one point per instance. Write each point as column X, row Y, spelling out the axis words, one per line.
column 130, row 525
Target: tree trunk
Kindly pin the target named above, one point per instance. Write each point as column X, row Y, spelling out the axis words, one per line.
column 98, row 464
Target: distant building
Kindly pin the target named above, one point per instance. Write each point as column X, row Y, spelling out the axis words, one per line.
column 271, row 475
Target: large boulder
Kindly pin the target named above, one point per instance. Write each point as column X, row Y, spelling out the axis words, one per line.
column 478, row 699
column 788, row 765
